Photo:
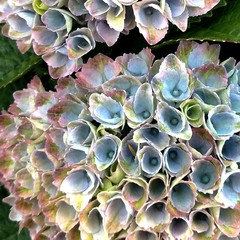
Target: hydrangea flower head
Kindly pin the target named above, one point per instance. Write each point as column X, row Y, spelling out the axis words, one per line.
column 126, row 150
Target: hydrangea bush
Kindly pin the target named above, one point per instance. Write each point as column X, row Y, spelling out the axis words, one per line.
column 62, row 31
column 132, row 148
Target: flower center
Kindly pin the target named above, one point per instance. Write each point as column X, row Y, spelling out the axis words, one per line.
column 173, row 155
column 146, row 114
column 154, row 161
column 174, row 121
column 116, row 115
column 154, row 131
column 110, row 154
column 148, row 11
column 176, row 92
column 205, row 179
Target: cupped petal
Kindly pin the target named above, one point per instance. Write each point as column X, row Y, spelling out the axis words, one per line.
column 66, row 216
column 136, row 65
column 153, row 216
column 195, row 55
column 206, row 174
column 106, row 110
column 139, row 109
column 135, row 192
column 230, row 149
column 117, row 214
column 177, row 13
column 179, row 228
column 150, row 20
column 80, row 134
column 125, row 83
column 182, row 195
column 77, row 7
column 158, row 187
column 41, row 161
column 177, row 160
column 227, row 220
column 152, row 135
column 214, row 77
column 202, row 223
column 201, row 143
column 151, row 160
column 173, row 82
column 172, row 121
column 222, row 122
column 105, row 151
column 142, row 234
column 229, row 191
column 57, row 19
column 96, row 71
column 66, row 111
column 206, row 98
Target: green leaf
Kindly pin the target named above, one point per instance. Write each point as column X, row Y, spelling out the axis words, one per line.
column 9, row 229
column 223, row 26
column 13, row 64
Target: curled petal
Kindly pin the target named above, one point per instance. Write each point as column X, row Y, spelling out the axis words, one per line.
column 150, row 134
column 134, row 191
column 139, row 109
column 193, row 112
column 79, row 42
column 222, row 123
column 195, row 55
column 106, row 151
column 172, row 121
column 182, row 195
column 177, row 160
column 229, row 191
column 128, row 159
column 151, row 160
column 106, row 110
column 153, row 216
column 206, row 174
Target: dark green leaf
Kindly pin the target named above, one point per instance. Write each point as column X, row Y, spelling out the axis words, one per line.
column 13, row 64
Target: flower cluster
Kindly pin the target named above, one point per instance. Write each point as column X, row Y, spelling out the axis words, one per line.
column 131, row 149
column 62, row 31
